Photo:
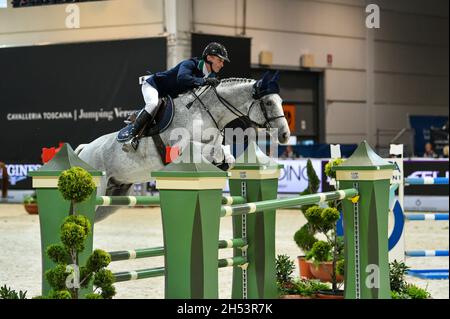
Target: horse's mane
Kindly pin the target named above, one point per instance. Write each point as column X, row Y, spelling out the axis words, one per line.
column 231, row 82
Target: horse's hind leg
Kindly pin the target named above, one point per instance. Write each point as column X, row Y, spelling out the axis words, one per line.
column 113, row 188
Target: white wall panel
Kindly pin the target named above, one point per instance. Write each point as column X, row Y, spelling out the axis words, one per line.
column 128, row 18
column 342, row 118
column 285, row 15
column 414, row 90
column 421, row 7
column 394, row 57
column 345, row 85
column 288, row 47
column 81, row 35
column 412, row 29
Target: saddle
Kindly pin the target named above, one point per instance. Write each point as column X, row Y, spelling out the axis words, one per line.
column 161, row 121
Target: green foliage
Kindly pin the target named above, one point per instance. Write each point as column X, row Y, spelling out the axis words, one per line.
column 329, row 167
column 415, row 292
column 340, row 267
column 284, row 267
column 76, row 184
column 398, row 295
column 304, row 238
column 8, row 293
column 322, row 219
column 74, row 232
column 56, row 277
column 98, row 260
column 57, row 253
column 60, row 294
column 314, row 217
column 313, row 183
column 307, row 287
column 108, row 291
column 73, row 235
column 93, row 296
column 320, row 252
column 400, row 289
column 329, row 216
column 30, row 199
column 397, row 272
column 80, row 220
column 103, row 277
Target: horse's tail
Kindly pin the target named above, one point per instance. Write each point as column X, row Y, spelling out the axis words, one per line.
column 79, row 148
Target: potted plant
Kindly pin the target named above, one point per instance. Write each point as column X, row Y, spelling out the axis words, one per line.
column 290, row 288
column 327, row 256
column 30, row 203
column 285, row 283
column 304, row 237
column 400, row 289
column 305, row 241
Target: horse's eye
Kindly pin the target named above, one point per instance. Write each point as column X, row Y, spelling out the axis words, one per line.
column 269, row 103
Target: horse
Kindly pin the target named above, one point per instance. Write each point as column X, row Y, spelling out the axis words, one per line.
column 256, row 102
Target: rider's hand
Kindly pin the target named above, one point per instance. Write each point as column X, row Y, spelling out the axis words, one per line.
column 212, row 81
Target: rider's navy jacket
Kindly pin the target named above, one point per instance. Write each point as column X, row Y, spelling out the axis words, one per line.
column 184, row 76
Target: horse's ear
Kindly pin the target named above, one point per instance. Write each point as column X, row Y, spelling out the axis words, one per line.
column 266, row 77
column 275, row 77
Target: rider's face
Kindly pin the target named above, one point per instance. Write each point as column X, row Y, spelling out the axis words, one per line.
column 216, row 63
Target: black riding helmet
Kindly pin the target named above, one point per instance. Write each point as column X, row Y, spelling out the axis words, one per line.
column 216, row 49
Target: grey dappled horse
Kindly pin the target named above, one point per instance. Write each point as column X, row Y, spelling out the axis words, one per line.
column 232, row 98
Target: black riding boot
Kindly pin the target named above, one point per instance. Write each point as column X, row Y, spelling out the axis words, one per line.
column 142, row 118
column 128, row 137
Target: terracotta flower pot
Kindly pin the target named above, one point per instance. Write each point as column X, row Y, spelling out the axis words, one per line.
column 294, row 297
column 303, row 265
column 321, row 294
column 31, row 208
column 323, row 271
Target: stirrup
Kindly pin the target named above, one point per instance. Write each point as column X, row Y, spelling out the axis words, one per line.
column 130, row 145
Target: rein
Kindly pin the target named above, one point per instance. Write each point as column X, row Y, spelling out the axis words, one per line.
column 245, row 118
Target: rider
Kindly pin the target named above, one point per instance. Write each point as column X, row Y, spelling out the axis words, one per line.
column 186, row 75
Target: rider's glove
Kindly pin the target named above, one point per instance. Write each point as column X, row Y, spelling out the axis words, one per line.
column 212, row 81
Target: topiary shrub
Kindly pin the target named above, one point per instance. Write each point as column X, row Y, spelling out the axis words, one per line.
column 304, row 238
column 329, row 167
column 320, row 252
column 66, row 278
column 76, row 184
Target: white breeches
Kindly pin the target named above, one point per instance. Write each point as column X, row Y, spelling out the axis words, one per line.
column 150, row 96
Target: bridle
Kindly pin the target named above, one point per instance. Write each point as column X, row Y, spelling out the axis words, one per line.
column 244, row 118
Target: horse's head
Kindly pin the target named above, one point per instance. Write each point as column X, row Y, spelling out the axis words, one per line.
column 269, row 103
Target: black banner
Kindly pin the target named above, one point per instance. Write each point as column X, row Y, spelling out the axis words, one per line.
column 70, row 93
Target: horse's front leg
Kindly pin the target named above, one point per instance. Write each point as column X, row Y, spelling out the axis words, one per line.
column 220, row 155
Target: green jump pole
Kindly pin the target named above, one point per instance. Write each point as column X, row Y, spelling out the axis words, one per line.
column 53, row 208
column 255, row 178
column 191, row 195
column 366, row 224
